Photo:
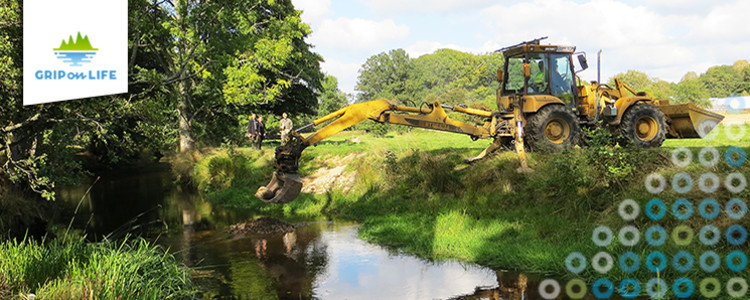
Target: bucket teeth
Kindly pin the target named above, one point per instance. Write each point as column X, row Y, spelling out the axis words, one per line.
column 283, row 188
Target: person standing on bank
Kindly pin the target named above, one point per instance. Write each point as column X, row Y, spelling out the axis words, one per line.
column 261, row 131
column 286, row 126
column 252, row 128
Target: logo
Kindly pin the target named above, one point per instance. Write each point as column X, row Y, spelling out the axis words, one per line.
column 76, row 53
column 84, row 54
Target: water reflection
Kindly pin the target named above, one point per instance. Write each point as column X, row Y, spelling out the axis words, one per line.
column 319, row 260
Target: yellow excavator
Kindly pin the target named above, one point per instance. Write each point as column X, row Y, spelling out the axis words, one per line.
column 541, row 105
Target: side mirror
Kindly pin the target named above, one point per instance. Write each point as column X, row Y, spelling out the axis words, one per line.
column 583, row 62
column 500, row 75
column 526, row 71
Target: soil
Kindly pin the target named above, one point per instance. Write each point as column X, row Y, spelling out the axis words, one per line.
column 326, row 179
column 262, row 225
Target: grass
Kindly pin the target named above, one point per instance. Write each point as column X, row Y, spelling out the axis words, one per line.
column 428, row 203
column 71, row 268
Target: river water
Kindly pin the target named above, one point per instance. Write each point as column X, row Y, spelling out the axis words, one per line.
column 322, row 259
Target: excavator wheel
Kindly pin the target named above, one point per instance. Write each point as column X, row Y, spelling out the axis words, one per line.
column 643, row 125
column 552, row 128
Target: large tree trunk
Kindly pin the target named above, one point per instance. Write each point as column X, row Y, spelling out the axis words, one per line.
column 183, row 98
column 183, row 114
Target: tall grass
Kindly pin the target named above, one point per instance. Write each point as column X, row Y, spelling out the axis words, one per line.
column 71, row 268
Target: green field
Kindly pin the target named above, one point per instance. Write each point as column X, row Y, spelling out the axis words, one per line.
column 413, row 193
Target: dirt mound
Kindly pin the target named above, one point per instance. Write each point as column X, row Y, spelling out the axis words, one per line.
column 328, row 178
column 262, row 225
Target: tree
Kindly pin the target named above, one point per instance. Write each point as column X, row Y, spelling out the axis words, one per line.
column 447, row 69
column 385, row 75
column 331, row 98
column 691, row 90
column 249, row 54
column 637, row 80
column 740, row 65
column 722, row 81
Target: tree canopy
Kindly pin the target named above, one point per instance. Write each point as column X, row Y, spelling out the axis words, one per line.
column 196, row 68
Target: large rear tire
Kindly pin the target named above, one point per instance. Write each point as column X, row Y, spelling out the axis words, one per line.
column 552, row 128
column 643, row 125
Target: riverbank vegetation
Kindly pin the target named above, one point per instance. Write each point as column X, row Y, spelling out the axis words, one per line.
column 71, row 268
column 413, row 193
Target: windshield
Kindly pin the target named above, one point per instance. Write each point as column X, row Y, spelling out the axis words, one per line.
column 562, row 77
column 538, row 82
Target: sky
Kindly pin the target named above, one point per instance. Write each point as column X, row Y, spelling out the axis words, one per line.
column 664, row 38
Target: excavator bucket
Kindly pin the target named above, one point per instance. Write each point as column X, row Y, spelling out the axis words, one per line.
column 283, row 188
column 690, row 121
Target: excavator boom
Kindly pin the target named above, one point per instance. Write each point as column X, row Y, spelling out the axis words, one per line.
column 286, row 183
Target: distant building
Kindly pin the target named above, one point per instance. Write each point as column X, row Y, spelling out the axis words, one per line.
column 734, row 104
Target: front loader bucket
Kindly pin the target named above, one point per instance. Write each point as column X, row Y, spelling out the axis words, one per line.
column 283, row 188
column 690, row 121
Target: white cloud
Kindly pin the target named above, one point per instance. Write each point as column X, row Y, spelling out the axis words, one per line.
column 356, row 33
column 642, row 42
column 346, row 73
column 396, row 7
column 724, row 23
column 426, row 47
column 313, row 11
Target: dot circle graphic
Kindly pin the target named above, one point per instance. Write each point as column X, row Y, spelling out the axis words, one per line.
column 729, row 182
column 656, row 216
column 596, row 236
column 703, row 235
column 661, row 183
column 741, row 232
column 582, row 289
column 714, row 156
column 607, row 284
column 651, row 286
column 634, row 233
column 682, row 268
column 658, row 230
column 736, row 267
column 677, row 235
column 682, row 162
column 715, row 287
column 630, row 282
column 549, row 283
column 656, row 255
column 687, row 283
column 735, row 131
column 596, row 262
column 732, row 291
column 624, row 262
column 634, row 209
column 709, row 177
column 702, row 209
column 682, row 215
column 703, row 261
column 742, row 208
column 678, row 179
column 728, row 156
column 682, row 209
column 575, row 256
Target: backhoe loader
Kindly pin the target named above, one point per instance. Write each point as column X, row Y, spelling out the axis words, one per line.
column 541, row 105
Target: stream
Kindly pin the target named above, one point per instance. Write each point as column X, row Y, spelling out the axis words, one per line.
column 321, row 259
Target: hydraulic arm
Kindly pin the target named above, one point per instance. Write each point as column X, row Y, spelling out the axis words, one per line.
column 286, row 183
